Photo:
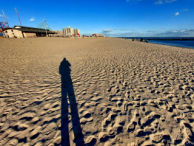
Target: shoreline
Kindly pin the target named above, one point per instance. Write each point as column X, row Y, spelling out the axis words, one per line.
column 176, row 45
column 172, row 45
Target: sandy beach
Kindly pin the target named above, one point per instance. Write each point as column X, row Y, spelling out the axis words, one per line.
column 108, row 91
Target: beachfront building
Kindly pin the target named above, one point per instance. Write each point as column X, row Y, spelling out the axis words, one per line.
column 95, row 35
column 70, row 31
column 13, row 33
column 25, row 32
column 59, row 33
column 77, row 32
column 65, row 32
column 102, row 36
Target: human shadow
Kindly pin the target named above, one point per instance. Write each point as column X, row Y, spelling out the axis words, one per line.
column 67, row 93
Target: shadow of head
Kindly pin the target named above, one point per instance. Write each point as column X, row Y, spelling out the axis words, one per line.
column 64, row 68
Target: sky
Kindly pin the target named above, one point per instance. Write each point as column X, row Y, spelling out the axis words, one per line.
column 115, row 18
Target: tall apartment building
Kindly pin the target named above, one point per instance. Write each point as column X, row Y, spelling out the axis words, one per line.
column 76, row 31
column 65, row 32
column 69, row 31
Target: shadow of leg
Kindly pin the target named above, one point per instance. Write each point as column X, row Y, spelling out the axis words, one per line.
column 64, row 117
column 75, row 117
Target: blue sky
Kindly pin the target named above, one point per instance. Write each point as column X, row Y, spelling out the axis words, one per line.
column 116, row 18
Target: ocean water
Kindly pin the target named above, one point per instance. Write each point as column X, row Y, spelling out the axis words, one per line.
column 185, row 42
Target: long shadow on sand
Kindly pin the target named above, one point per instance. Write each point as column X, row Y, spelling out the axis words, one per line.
column 67, row 93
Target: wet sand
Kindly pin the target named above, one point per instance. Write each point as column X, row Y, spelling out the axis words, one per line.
column 109, row 91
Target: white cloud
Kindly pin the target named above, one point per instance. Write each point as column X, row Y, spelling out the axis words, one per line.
column 32, row 19
column 169, row 1
column 132, row 0
column 124, row 29
column 107, row 30
column 176, row 14
column 176, row 33
column 184, row 10
column 159, row 2
column 170, row 33
column 3, row 16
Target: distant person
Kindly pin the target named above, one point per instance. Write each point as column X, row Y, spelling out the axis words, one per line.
column 6, row 35
column 141, row 40
column 146, row 41
column 133, row 39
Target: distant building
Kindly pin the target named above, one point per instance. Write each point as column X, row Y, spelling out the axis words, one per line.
column 95, row 35
column 65, row 32
column 24, row 32
column 59, row 33
column 14, row 33
column 76, row 31
column 70, row 31
column 102, row 36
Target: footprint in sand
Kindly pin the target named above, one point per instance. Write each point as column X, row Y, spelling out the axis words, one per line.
column 103, row 136
column 35, row 132
column 108, row 119
column 90, row 140
column 85, row 116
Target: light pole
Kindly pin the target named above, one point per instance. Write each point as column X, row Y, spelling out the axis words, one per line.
column 45, row 27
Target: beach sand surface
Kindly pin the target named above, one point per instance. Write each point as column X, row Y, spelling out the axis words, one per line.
column 108, row 91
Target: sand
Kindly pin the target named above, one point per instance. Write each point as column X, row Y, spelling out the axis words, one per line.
column 114, row 92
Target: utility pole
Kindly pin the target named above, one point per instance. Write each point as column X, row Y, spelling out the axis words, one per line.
column 18, row 16
column 45, row 26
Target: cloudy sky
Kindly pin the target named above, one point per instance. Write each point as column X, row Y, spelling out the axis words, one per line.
column 116, row 18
